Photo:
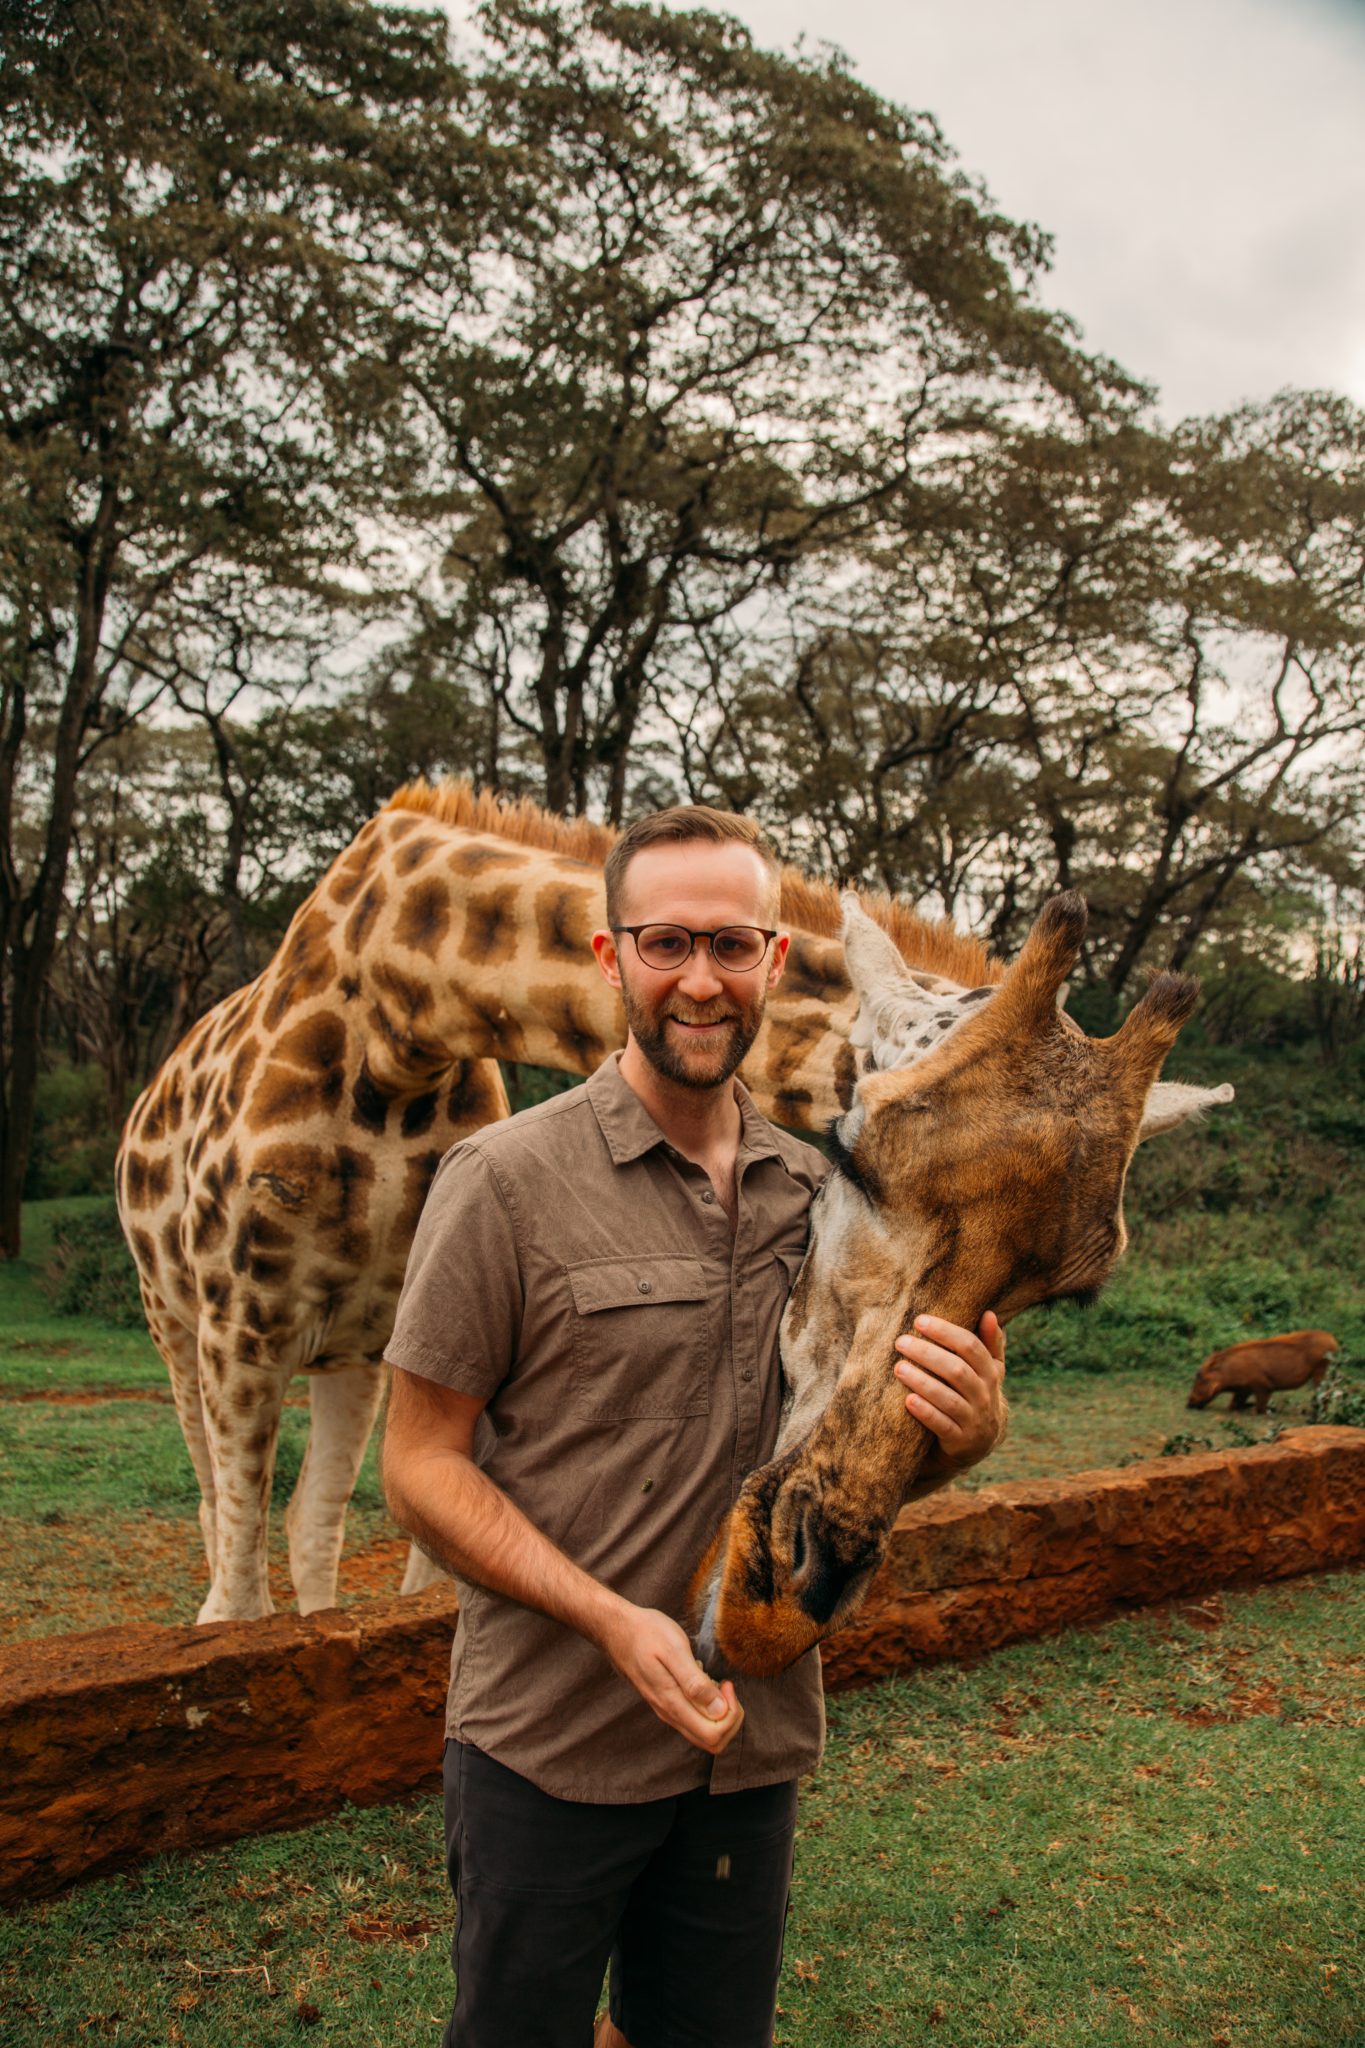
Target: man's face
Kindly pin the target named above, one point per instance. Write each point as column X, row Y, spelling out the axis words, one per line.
column 694, row 1024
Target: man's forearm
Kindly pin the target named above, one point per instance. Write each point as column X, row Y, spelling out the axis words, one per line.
column 468, row 1525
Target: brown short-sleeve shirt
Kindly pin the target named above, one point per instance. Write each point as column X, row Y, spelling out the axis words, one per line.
column 576, row 1273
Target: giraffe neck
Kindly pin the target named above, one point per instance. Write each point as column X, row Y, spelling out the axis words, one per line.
column 451, row 945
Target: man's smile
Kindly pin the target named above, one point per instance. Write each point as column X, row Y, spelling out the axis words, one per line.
column 701, row 1025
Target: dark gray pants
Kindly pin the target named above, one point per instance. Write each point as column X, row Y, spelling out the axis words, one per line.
column 684, row 1898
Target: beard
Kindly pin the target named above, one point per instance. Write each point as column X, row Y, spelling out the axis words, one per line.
column 695, row 1063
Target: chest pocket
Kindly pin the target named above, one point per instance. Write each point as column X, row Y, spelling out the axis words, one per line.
column 640, row 1338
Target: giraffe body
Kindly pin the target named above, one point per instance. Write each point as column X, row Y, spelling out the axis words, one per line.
column 271, row 1176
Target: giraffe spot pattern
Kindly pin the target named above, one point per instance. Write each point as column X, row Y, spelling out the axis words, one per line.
column 476, row 860
column 813, row 969
column 409, row 858
column 790, row 1041
column 369, row 1104
column 348, row 875
column 296, row 986
column 564, row 923
column 567, row 1013
column 418, row 1174
column 420, row 1114
column 361, row 920
column 306, row 1076
column 491, row 926
column 424, row 917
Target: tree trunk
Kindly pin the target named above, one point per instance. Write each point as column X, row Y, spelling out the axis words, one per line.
column 30, row 959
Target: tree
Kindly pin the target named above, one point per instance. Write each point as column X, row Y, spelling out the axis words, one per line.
column 1113, row 660
column 204, row 214
column 1259, row 728
column 735, row 305
column 146, row 937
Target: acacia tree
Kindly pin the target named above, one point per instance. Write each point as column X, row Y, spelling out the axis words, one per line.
column 1256, row 761
column 204, row 213
column 743, row 303
column 145, row 938
column 1119, row 661
column 900, row 724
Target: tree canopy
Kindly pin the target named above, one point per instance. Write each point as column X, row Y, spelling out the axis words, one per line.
column 611, row 410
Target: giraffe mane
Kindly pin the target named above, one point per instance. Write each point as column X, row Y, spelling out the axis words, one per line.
column 813, row 906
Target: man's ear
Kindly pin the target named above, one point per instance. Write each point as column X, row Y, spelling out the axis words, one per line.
column 608, row 959
column 779, row 959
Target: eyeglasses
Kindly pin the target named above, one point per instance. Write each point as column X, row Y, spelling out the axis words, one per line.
column 735, row 948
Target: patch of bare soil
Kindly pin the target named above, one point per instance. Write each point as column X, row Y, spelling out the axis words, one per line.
column 83, row 1397
column 85, row 1573
column 91, row 1397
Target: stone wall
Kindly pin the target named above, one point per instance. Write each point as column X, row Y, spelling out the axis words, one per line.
column 126, row 1741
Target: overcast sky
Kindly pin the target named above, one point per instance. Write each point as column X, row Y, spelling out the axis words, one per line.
column 1200, row 165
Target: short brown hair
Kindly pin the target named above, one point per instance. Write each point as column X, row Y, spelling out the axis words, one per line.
column 675, row 826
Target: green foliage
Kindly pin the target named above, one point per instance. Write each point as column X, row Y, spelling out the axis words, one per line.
column 527, row 1085
column 90, row 1272
column 40, row 1349
column 1339, row 1397
column 1183, row 1443
column 73, row 1144
column 1246, row 1225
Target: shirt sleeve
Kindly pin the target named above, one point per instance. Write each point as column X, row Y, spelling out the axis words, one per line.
column 459, row 1314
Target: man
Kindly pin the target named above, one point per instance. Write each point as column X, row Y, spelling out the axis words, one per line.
column 586, row 1366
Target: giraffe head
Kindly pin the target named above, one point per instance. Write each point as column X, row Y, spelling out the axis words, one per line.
column 980, row 1164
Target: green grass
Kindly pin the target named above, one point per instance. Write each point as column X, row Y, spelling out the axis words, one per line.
column 98, row 1502
column 98, row 1499
column 1140, row 1834
column 1246, row 1224
column 41, row 1349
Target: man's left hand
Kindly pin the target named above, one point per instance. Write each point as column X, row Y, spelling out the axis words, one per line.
column 956, row 1387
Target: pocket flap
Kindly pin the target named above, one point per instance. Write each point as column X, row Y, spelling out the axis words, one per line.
column 635, row 1283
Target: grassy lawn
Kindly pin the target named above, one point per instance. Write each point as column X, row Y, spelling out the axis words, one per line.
column 98, row 1502
column 41, row 1351
column 1137, row 1834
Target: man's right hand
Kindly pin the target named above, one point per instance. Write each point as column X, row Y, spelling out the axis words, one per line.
column 654, row 1655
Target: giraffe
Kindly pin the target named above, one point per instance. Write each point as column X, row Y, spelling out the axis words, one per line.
column 979, row 1165
column 271, row 1175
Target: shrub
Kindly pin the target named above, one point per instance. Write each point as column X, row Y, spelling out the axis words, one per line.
column 89, row 1270
column 1183, row 1445
column 1338, row 1397
column 73, row 1141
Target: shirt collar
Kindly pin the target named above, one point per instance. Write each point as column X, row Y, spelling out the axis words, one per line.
column 630, row 1131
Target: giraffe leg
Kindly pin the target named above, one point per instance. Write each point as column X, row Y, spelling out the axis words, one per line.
column 343, row 1403
column 179, row 1349
column 241, row 1407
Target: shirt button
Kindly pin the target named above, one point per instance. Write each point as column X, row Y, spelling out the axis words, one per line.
column 646, row 1287
column 747, row 1373
column 707, row 1195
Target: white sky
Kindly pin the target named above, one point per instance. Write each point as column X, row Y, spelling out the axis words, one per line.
column 1200, row 165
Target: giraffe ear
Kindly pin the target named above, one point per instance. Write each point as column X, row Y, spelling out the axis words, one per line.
column 1169, row 1103
column 893, row 1010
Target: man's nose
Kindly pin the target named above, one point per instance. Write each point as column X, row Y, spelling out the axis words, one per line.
column 699, row 977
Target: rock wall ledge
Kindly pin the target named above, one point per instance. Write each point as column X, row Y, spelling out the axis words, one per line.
column 124, row 1742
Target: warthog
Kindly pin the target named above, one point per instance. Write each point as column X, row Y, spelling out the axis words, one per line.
column 1262, row 1367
